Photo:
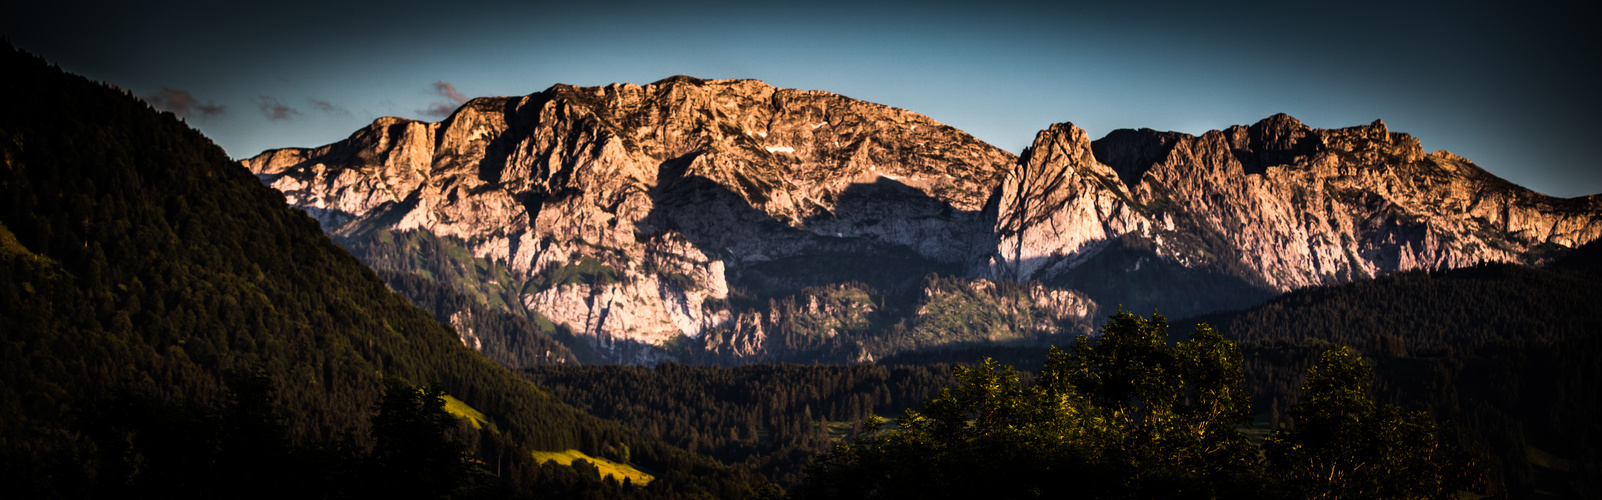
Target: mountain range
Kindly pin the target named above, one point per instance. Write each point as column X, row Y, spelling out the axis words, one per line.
column 730, row 221
column 144, row 277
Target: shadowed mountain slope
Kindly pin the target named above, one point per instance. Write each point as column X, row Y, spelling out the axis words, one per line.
column 135, row 256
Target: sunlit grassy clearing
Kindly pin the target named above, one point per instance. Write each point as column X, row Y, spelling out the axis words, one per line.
column 461, row 410
column 9, row 244
column 607, row 467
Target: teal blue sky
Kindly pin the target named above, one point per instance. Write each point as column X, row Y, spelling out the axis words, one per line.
column 1509, row 87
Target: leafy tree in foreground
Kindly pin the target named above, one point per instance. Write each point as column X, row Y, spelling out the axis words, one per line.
column 1128, row 415
column 1345, row 446
column 1124, row 414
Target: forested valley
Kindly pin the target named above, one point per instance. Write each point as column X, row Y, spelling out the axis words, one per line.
column 172, row 330
column 770, row 419
column 1500, row 355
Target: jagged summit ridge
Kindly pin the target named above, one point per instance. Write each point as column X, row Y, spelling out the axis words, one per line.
column 698, row 191
column 683, row 177
column 1299, row 206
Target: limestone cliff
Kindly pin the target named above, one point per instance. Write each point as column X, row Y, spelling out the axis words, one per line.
column 850, row 323
column 1271, row 207
column 727, row 215
column 677, row 189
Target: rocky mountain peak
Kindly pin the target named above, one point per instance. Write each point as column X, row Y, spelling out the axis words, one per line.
column 1273, row 141
column 1131, row 152
column 1057, row 207
column 1267, row 207
column 641, row 214
column 1063, row 140
column 672, row 191
column 685, row 79
column 1280, row 124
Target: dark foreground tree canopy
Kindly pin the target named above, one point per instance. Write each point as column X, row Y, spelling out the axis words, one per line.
column 1128, row 415
column 136, row 257
column 146, row 446
column 1343, row 445
column 1504, row 356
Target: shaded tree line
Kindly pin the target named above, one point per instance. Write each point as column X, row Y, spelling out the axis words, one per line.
column 1500, row 353
column 770, row 419
column 1130, row 415
column 239, row 447
column 1497, row 353
column 147, row 446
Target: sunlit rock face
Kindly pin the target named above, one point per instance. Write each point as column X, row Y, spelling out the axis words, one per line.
column 681, row 187
column 642, row 216
column 1268, row 207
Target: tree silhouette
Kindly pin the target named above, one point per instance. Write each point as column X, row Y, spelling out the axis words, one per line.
column 413, row 453
column 1343, row 445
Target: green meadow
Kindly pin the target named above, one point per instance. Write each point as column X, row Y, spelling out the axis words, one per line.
column 607, row 467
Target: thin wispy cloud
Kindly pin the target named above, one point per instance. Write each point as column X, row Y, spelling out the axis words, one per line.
column 449, row 91
column 453, row 100
column 329, row 108
column 274, row 110
column 182, row 103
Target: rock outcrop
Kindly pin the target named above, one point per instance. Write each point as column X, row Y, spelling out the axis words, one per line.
column 678, row 187
column 1276, row 205
column 686, row 212
column 843, row 323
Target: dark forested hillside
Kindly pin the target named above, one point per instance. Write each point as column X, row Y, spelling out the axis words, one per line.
column 478, row 297
column 1506, row 355
column 768, row 418
column 510, row 339
column 135, row 257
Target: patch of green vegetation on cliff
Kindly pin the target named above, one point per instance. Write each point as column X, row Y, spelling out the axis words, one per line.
column 442, row 259
column 586, row 270
column 954, row 312
column 821, row 312
column 484, row 296
column 894, row 270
